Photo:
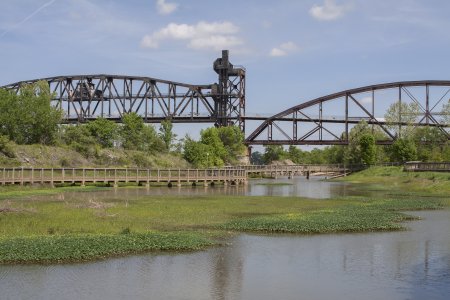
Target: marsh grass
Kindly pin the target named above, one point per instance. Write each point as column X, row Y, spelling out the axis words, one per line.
column 373, row 215
column 69, row 248
column 40, row 229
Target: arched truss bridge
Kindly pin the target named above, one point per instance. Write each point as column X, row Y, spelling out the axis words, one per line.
column 86, row 97
column 327, row 120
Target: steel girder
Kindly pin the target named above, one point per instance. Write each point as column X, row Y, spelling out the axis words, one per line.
column 310, row 123
column 86, row 97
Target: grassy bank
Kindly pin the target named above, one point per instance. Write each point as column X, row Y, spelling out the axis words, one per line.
column 51, row 229
column 396, row 181
column 41, row 156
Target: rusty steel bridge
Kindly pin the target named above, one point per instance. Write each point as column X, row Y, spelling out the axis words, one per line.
column 322, row 121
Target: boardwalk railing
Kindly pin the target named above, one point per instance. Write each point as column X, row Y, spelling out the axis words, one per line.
column 430, row 166
column 116, row 175
column 296, row 170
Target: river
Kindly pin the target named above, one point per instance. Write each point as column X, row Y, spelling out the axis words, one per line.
column 412, row 264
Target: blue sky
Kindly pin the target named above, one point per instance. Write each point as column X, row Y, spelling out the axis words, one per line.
column 293, row 50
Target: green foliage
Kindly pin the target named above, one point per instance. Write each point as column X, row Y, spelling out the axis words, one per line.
column 28, row 117
column 430, row 143
column 166, row 134
column 201, row 155
column 51, row 249
column 403, row 150
column 233, row 140
column 104, row 132
column 257, row 158
column 137, row 136
column 216, row 147
column 402, row 112
column 80, row 139
column 368, row 149
column 273, row 153
column 297, row 155
column 6, row 147
column 370, row 216
column 210, row 137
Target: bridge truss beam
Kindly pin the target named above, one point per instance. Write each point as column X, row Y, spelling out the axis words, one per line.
column 327, row 120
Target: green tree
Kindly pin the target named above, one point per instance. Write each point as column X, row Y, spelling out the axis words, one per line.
column 430, row 143
column 104, row 131
column 403, row 150
column 210, row 136
column 334, row 154
column 233, row 140
column 28, row 117
column 273, row 153
column 201, row 155
column 296, row 155
column 404, row 113
column 257, row 158
column 136, row 135
column 166, row 134
column 368, row 149
column 79, row 138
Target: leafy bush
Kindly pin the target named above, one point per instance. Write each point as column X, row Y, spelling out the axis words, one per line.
column 6, row 147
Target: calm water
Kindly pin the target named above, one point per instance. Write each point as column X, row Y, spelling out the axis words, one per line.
column 413, row 264
column 298, row 186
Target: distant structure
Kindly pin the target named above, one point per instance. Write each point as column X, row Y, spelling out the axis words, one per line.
column 86, row 97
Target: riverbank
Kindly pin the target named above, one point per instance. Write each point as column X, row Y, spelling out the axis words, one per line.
column 397, row 182
column 37, row 227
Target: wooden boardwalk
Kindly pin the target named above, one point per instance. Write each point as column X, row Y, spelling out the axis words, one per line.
column 297, row 170
column 115, row 176
column 430, row 166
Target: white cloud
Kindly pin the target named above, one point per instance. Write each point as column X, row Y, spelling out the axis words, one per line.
column 365, row 100
column 165, row 8
column 329, row 11
column 203, row 35
column 284, row 49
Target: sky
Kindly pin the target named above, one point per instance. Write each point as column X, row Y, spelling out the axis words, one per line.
column 293, row 51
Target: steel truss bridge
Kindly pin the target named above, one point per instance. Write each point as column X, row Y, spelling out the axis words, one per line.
column 323, row 121
column 85, row 97
column 327, row 120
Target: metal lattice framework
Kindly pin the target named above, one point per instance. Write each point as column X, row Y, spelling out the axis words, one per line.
column 327, row 120
column 86, row 97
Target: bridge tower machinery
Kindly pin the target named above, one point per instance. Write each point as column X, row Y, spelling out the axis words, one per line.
column 229, row 93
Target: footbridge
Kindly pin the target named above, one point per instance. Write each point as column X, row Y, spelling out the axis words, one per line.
column 325, row 120
column 307, row 170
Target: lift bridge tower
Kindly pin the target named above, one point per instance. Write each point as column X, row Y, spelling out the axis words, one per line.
column 229, row 93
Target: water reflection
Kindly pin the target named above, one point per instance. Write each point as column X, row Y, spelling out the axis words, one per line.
column 316, row 187
column 413, row 264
